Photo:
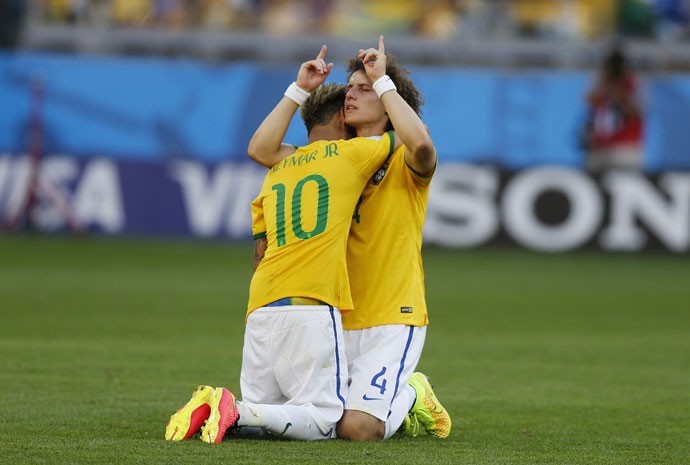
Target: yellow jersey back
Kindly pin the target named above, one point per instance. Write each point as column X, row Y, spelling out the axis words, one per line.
column 305, row 210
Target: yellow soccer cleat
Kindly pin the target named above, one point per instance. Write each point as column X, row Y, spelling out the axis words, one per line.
column 223, row 415
column 409, row 427
column 427, row 409
column 186, row 421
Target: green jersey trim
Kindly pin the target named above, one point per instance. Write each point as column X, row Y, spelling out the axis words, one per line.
column 391, row 137
column 420, row 175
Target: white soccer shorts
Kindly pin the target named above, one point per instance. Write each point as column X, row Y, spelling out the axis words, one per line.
column 294, row 355
column 380, row 362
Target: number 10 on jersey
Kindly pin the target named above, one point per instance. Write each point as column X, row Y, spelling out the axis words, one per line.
column 322, row 203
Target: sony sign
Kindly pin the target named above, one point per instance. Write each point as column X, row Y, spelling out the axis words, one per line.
column 472, row 205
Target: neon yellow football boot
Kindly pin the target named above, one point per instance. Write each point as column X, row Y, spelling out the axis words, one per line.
column 427, row 409
column 409, row 427
column 187, row 420
column 223, row 415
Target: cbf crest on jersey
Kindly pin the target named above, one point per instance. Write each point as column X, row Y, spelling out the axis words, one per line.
column 379, row 175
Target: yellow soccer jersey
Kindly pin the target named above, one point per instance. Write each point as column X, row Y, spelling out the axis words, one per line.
column 305, row 211
column 384, row 250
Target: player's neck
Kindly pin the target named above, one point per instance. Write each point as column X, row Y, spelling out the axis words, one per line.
column 325, row 133
column 371, row 129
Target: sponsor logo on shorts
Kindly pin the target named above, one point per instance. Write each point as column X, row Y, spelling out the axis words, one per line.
column 405, row 309
column 366, row 397
column 287, row 427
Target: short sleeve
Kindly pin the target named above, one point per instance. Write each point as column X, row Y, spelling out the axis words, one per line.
column 421, row 180
column 258, row 221
column 369, row 153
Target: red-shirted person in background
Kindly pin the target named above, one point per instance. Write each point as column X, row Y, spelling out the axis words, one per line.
column 615, row 129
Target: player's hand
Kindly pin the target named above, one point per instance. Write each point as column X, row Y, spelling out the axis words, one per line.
column 374, row 60
column 314, row 72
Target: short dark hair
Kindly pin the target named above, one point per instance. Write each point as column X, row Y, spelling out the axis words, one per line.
column 322, row 105
column 399, row 75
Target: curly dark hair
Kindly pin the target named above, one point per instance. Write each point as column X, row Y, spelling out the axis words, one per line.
column 322, row 105
column 399, row 75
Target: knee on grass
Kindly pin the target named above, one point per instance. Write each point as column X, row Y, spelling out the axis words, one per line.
column 360, row 426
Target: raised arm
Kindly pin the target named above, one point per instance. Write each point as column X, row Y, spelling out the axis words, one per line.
column 266, row 146
column 420, row 153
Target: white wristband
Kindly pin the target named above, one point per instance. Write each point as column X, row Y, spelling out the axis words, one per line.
column 383, row 85
column 296, row 93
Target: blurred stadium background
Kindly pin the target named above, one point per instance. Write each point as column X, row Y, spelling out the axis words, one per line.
column 130, row 119
column 138, row 112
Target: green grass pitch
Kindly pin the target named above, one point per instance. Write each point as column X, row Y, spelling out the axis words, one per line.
column 540, row 359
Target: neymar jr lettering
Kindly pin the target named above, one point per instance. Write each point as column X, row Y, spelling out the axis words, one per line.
column 331, row 150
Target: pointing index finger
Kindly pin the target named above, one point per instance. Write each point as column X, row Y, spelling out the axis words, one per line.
column 322, row 53
column 382, row 48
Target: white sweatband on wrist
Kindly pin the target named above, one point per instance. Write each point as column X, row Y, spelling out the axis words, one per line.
column 383, row 85
column 296, row 94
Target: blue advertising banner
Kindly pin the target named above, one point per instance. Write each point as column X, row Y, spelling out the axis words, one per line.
column 156, row 109
column 105, row 196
